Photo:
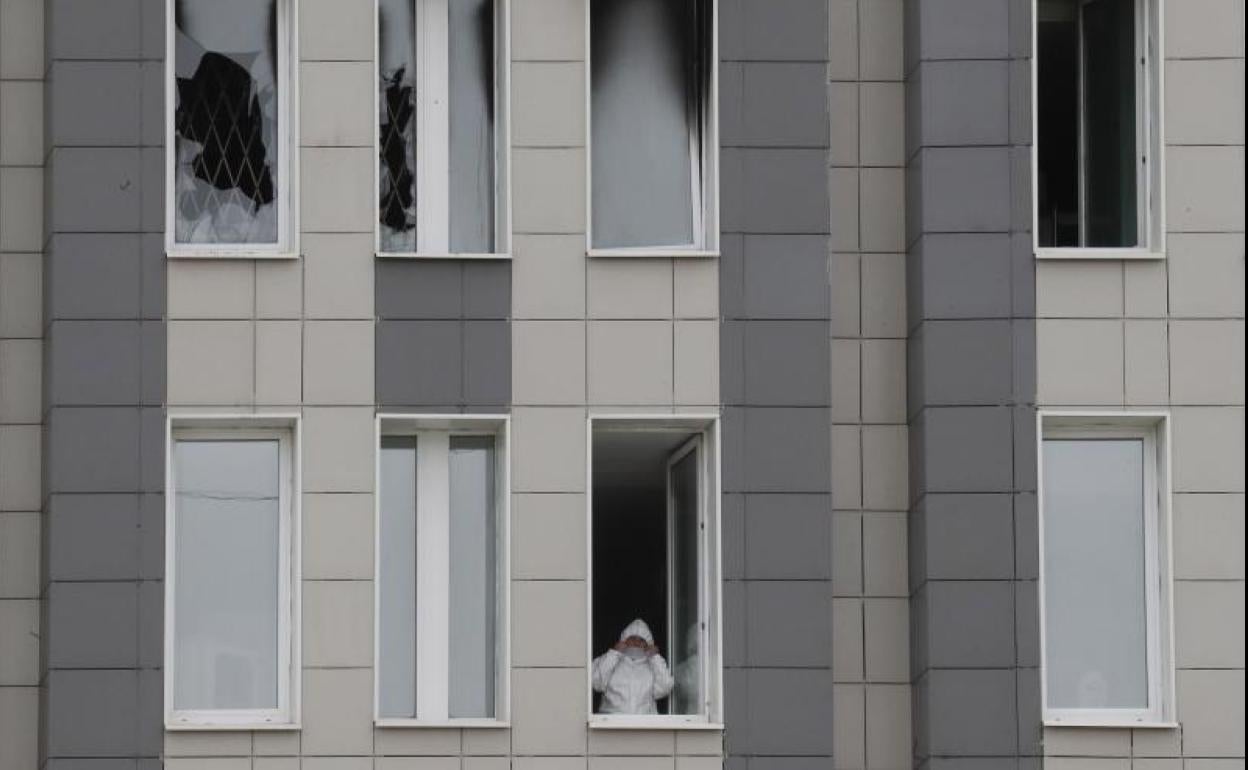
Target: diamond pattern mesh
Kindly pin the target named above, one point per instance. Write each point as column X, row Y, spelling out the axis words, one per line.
column 225, row 165
column 398, row 182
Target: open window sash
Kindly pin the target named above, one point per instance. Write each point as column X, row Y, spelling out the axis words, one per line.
column 687, row 619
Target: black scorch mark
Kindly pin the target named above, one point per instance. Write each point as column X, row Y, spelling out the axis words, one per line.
column 217, row 109
column 397, row 196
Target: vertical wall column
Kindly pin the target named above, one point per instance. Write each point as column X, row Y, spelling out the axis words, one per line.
column 870, row 614
column 971, row 382
column 21, row 365
column 775, row 382
column 104, row 384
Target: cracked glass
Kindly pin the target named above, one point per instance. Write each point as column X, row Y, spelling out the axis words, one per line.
column 226, row 122
column 436, row 126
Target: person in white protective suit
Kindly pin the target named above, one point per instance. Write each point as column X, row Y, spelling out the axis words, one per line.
column 632, row 676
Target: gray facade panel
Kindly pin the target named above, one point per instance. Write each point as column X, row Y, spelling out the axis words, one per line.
column 93, row 537
column 104, row 385
column 788, row 624
column 784, row 104
column 94, row 362
column 94, row 103
column 971, row 384
column 96, row 276
column 96, row 189
column 96, row 624
column 93, row 449
column 964, row 102
column 443, row 338
column 961, row 275
column 966, row 362
column 963, row 537
column 774, row 383
column 94, row 29
column 782, row 277
column 788, row 713
column 92, row 713
column 786, row 363
column 786, row 537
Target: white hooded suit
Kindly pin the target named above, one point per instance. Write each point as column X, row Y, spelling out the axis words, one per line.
column 631, row 683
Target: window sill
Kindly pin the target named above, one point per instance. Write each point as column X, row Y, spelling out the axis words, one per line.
column 672, row 252
column 1112, row 723
column 202, row 727
column 440, row 255
column 661, row 722
column 189, row 253
column 425, row 724
column 1049, row 253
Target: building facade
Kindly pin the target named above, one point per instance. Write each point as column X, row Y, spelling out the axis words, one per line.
column 367, row 365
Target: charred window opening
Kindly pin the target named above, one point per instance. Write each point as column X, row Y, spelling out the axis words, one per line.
column 651, row 92
column 1092, row 143
column 438, row 134
column 227, row 122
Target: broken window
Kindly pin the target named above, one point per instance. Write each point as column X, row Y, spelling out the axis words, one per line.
column 653, row 137
column 440, row 144
column 228, row 143
column 1094, row 91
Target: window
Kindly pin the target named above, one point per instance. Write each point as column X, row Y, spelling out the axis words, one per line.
column 229, row 593
column 442, row 571
column 442, row 135
column 1098, row 166
column 228, row 94
column 654, row 555
column 654, row 144
column 1104, row 571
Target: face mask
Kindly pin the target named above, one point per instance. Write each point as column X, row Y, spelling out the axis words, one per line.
column 635, row 653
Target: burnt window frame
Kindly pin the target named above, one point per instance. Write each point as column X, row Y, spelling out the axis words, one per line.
column 502, row 146
column 1150, row 133
column 704, row 192
column 287, row 176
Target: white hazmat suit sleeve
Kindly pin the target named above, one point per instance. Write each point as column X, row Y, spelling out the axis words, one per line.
column 603, row 667
column 663, row 680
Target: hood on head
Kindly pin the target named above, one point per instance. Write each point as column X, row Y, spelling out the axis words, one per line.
column 637, row 628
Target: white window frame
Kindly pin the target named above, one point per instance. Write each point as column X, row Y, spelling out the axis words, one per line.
column 1150, row 139
column 284, row 428
column 704, row 190
column 287, row 245
column 432, row 169
column 1153, row 428
column 498, row 426
column 711, row 567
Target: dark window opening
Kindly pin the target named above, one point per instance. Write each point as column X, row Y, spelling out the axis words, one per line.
column 1090, row 158
column 648, row 551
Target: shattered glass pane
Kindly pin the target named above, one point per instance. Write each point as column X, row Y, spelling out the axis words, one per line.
column 226, row 123
column 468, row 94
column 397, row 124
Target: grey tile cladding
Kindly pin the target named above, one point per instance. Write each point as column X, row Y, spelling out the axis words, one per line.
column 774, row 375
column 103, row 387
column 970, row 340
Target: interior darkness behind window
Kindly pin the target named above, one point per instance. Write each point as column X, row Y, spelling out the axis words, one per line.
column 1091, row 174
